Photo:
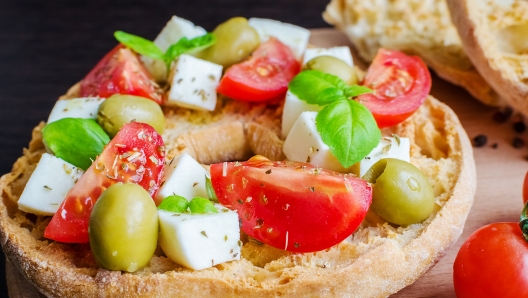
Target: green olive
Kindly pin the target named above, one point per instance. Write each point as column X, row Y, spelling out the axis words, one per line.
column 117, row 110
column 123, row 228
column 401, row 193
column 334, row 66
column 235, row 41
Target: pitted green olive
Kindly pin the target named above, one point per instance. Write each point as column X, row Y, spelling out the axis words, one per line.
column 401, row 193
column 235, row 41
column 123, row 228
column 117, row 110
column 333, row 66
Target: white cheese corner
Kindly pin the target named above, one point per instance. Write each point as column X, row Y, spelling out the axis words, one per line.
column 342, row 53
column 84, row 107
column 293, row 107
column 388, row 147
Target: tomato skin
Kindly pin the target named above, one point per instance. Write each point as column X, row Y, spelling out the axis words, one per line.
column 118, row 162
column 265, row 76
column 525, row 189
column 400, row 83
column 291, row 205
column 120, row 72
column 493, row 262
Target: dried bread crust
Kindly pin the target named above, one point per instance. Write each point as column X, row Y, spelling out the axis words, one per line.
column 483, row 26
column 377, row 260
column 418, row 27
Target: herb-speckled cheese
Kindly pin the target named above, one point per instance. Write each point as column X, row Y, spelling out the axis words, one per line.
column 293, row 107
column 388, row 147
column 84, row 107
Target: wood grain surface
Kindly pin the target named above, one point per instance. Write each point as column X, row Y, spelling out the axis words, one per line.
column 500, row 173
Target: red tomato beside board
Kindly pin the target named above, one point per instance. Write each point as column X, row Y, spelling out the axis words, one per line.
column 400, row 84
column 135, row 155
column 265, row 76
column 120, row 72
column 291, row 205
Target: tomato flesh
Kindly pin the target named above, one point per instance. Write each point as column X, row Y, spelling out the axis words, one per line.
column 120, row 72
column 493, row 262
column 400, row 83
column 265, row 76
column 291, row 205
column 135, row 155
column 525, row 188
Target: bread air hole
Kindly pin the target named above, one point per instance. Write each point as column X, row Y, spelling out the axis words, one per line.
column 512, row 40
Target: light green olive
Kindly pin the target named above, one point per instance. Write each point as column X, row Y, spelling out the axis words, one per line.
column 235, row 41
column 334, row 66
column 401, row 193
column 123, row 228
column 117, row 110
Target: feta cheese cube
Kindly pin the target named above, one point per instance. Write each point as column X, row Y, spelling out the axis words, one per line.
column 200, row 241
column 304, row 144
column 293, row 107
column 388, row 147
column 342, row 53
column 194, row 83
column 175, row 29
column 295, row 37
column 48, row 185
column 185, row 177
column 85, row 107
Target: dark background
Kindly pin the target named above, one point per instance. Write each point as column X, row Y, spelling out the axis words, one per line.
column 47, row 46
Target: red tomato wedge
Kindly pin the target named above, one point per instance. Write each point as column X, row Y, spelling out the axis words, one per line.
column 265, row 76
column 120, row 72
column 400, row 84
column 135, row 155
column 525, row 188
column 291, row 205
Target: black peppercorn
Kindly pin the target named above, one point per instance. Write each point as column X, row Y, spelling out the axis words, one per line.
column 502, row 115
column 519, row 126
column 518, row 142
column 480, row 140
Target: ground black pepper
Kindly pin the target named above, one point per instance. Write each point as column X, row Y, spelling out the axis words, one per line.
column 480, row 141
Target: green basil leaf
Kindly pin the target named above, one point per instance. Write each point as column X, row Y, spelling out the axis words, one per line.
column 202, row 205
column 185, row 45
column 174, row 203
column 210, row 190
column 316, row 87
column 349, row 129
column 140, row 45
column 75, row 140
column 356, row 90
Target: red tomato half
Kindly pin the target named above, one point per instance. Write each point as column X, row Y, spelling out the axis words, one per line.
column 400, row 83
column 120, row 72
column 493, row 262
column 290, row 205
column 525, row 189
column 263, row 77
column 135, row 155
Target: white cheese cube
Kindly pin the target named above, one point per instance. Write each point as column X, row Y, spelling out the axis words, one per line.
column 388, row 147
column 185, row 177
column 304, row 144
column 175, row 29
column 48, row 185
column 200, row 241
column 194, row 83
column 85, row 107
column 293, row 107
column 342, row 53
column 295, row 37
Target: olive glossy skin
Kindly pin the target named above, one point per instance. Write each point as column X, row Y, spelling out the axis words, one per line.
column 117, row 110
column 235, row 41
column 333, row 66
column 401, row 193
column 123, row 228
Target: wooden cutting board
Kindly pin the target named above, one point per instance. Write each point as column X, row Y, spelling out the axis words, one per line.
column 500, row 173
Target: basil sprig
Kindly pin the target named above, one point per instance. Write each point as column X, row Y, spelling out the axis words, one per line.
column 346, row 126
column 148, row 48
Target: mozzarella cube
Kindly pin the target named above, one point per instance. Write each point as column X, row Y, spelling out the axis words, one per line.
column 85, row 107
column 388, row 147
column 342, row 53
column 293, row 107
column 304, row 144
column 194, row 83
column 200, row 241
column 185, row 177
column 295, row 37
column 48, row 185
column 175, row 29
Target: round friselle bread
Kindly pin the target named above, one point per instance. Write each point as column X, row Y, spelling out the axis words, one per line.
column 377, row 260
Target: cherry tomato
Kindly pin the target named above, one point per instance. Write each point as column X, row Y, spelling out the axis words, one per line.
column 525, row 189
column 120, row 72
column 135, row 155
column 400, row 84
column 265, row 76
column 493, row 262
column 291, row 205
